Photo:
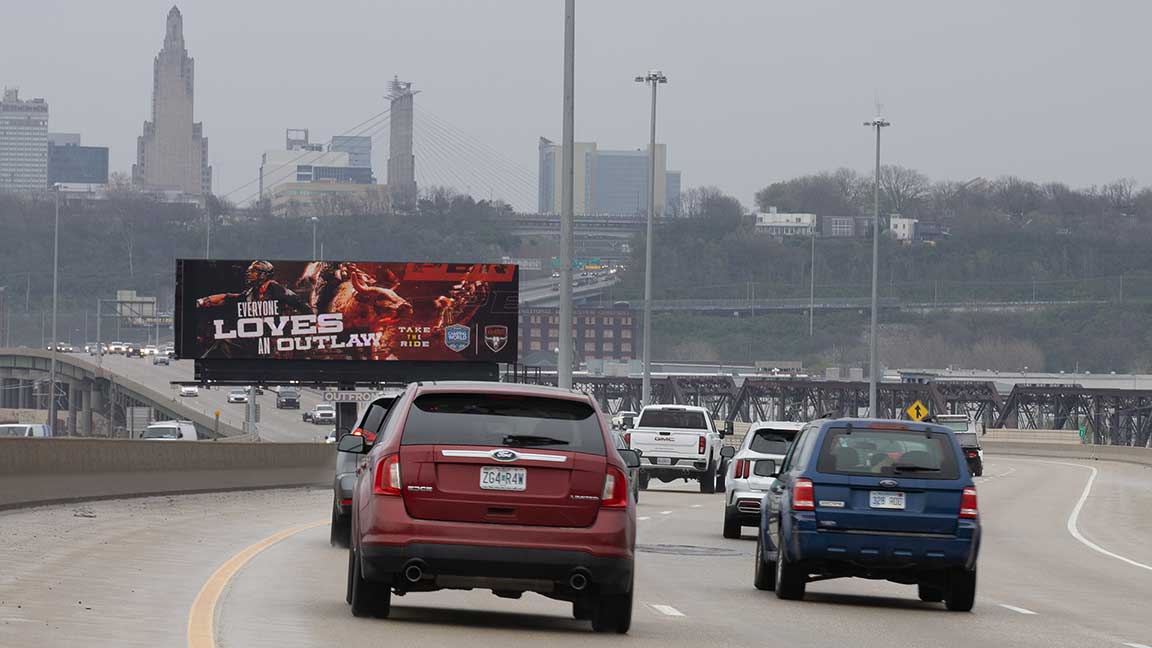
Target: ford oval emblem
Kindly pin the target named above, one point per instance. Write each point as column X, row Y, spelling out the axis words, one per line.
column 886, row 483
column 504, row 455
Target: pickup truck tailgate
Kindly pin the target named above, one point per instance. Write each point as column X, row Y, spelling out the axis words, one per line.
column 667, row 443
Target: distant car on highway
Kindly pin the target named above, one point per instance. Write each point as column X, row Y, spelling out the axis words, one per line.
column 624, row 420
column 149, row 350
column 117, row 347
column 874, row 499
column 746, row 479
column 170, row 431
column 511, row 488
column 370, row 423
column 189, row 391
column 134, row 351
column 158, row 359
column 169, row 351
column 29, row 430
column 239, row 395
column 968, row 434
column 288, row 398
column 62, row 348
column 621, row 443
column 320, row 413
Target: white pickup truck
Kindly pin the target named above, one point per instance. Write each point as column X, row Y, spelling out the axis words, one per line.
column 677, row 442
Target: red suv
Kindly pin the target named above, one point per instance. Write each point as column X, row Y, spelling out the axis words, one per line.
column 511, row 488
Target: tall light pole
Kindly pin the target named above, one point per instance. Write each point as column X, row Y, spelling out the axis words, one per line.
column 567, row 162
column 653, row 78
column 812, row 283
column 55, row 272
column 873, row 362
column 314, row 221
column 207, row 233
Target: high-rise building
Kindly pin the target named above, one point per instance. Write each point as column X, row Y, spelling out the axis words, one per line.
column 606, row 181
column 71, row 163
column 401, row 161
column 172, row 154
column 583, row 177
column 23, row 143
column 358, row 148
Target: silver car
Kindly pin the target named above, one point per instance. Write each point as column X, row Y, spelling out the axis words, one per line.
column 750, row 471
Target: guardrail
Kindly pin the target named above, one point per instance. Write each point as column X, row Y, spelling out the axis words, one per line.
column 41, row 471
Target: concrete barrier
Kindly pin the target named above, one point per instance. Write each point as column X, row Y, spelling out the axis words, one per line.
column 1125, row 454
column 40, row 471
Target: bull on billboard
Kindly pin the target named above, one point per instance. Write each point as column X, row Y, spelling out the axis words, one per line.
column 344, row 310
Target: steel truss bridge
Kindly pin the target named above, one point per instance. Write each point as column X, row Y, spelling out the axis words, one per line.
column 1109, row 416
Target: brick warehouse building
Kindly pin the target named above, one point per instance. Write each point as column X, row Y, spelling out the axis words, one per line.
column 608, row 333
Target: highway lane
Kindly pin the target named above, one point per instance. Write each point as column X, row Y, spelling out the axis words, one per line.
column 275, row 424
column 1039, row 585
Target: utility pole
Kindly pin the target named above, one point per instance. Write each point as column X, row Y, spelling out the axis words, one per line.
column 314, row 221
column 812, row 283
column 55, row 273
column 653, row 78
column 207, row 232
column 567, row 161
column 873, row 362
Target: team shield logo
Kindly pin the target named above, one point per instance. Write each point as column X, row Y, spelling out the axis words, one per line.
column 457, row 337
column 496, row 337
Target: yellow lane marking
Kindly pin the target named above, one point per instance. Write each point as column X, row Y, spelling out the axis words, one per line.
column 201, row 618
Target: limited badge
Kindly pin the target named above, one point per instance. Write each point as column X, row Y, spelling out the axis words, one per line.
column 457, row 337
column 496, row 336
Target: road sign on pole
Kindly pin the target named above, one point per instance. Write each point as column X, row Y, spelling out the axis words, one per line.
column 917, row 411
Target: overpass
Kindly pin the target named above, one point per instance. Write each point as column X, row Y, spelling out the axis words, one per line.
column 94, row 399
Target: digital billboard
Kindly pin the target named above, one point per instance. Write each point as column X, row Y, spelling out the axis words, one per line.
column 248, row 310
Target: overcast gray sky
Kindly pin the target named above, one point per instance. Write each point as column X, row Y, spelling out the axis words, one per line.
column 759, row 90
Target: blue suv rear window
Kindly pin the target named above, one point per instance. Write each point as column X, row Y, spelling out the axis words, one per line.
column 910, row 453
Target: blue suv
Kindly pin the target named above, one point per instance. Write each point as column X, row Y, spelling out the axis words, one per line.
column 890, row 500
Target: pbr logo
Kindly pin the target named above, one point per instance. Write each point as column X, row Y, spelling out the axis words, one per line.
column 457, row 337
column 496, row 336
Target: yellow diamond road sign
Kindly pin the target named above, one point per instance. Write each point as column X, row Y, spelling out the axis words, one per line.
column 917, row 411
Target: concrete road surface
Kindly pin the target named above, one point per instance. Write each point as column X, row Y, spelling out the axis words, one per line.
column 275, row 424
column 128, row 573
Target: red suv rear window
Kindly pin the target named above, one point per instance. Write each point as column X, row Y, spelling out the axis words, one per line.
column 499, row 419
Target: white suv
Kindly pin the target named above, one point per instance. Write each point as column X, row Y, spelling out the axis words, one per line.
column 749, row 472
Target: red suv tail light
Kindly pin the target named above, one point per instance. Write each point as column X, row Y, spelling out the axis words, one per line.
column 968, row 508
column 700, row 445
column 803, row 495
column 615, row 493
column 387, row 478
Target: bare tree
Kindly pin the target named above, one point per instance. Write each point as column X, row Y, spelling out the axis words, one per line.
column 1119, row 195
column 902, row 189
column 1016, row 197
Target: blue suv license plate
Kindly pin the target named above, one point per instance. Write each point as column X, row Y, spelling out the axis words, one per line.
column 886, row 500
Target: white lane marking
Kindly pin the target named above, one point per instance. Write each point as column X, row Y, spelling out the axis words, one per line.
column 1136, row 645
column 666, row 610
column 1075, row 516
column 697, row 505
column 665, row 512
column 644, row 518
column 1016, row 609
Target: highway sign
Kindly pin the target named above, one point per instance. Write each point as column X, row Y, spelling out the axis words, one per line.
column 917, row 411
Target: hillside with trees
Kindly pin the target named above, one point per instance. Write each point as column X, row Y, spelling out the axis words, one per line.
column 1008, row 240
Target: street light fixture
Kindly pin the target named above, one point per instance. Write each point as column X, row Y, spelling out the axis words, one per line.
column 653, row 78
column 877, row 123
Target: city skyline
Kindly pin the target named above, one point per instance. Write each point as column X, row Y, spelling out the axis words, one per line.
column 738, row 112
